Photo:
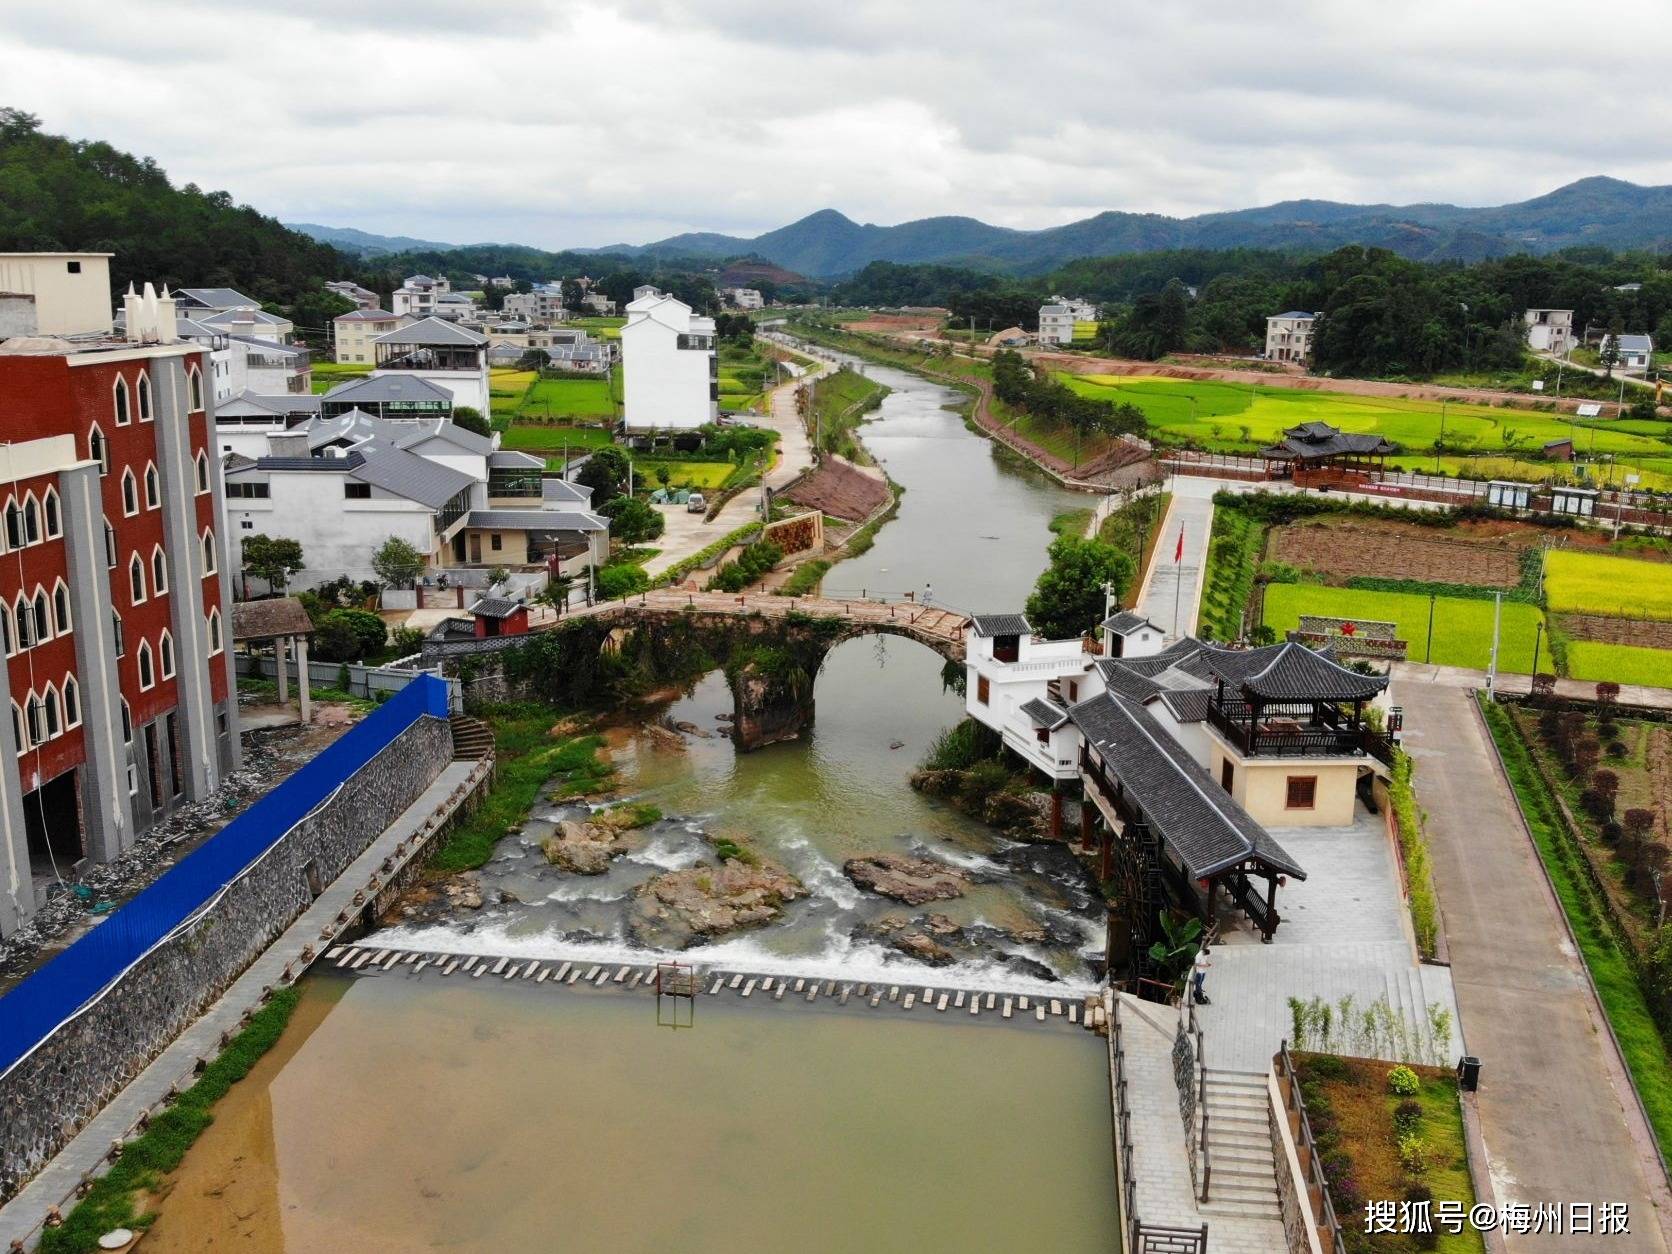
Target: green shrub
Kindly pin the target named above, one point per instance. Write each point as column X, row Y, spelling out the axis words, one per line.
column 961, row 746
column 1407, row 1116
column 984, row 779
column 620, row 580
column 755, row 560
column 1403, row 1082
column 348, row 635
column 405, row 640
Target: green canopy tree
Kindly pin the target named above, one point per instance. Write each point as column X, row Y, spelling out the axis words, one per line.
column 397, row 564
column 273, row 558
column 1067, row 600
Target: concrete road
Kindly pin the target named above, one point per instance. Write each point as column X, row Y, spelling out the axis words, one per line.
column 1558, row 1118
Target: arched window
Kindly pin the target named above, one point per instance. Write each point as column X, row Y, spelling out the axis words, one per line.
column 121, row 646
column 211, row 563
column 17, row 729
column 98, row 448
column 50, row 513
column 43, row 616
column 153, row 494
column 14, row 525
column 31, row 520
column 110, row 545
column 194, row 379
column 36, row 709
column 121, row 397
column 214, row 632
column 127, row 723
column 159, row 572
column 165, row 650
column 147, row 677
column 6, row 631
column 25, row 622
column 136, row 579
column 202, row 464
column 145, row 398
column 61, row 608
column 54, row 717
column 130, row 492
column 72, row 702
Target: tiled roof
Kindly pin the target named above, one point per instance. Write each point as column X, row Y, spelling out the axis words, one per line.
column 1195, row 818
column 1045, row 714
column 1125, row 622
column 1285, row 672
column 1319, row 439
column 1000, row 625
column 406, row 474
column 383, row 388
column 367, row 315
column 425, row 431
column 433, row 331
column 216, row 297
column 534, row 520
column 495, row 607
column 510, row 459
column 263, row 620
column 1188, row 705
column 564, row 490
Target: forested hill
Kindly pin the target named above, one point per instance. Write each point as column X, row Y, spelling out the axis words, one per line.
column 57, row 193
column 1598, row 212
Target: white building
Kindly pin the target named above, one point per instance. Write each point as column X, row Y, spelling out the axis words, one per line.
column 440, row 352
column 54, row 293
column 1549, row 330
column 1637, row 352
column 342, row 486
column 416, row 296
column 671, row 373
column 243, row 422
column 353, row 334
column 744, row 297
column 1289, row 336
column 1056, row 324
column 245, row 362
column 599, row 304
column 1081, row 310
column 544, row 304
column 454, row 306
column 363, row 297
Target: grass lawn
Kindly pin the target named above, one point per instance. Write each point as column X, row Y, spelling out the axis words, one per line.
column 1599, row 583
column 1462, row 627
column 1231, row 415
column 601, row 328
column 328, row 374
column 541, row 438
column 1610, row 967
column 578, row 398
column 1622, row 663
column 740, row 400
column 704, row 475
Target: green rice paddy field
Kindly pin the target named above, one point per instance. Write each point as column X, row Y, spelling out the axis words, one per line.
column 1622, row 663
column 1462, row 627
column 1228, row 416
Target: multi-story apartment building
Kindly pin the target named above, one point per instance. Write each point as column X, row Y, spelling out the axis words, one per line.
column 1056, row 324
column 744, row 297
column 1549, row 330
column 352, row 333
column 1289, row 336
column 363, row 297
column 114, row 593
column 671, row 372
column 416, row 296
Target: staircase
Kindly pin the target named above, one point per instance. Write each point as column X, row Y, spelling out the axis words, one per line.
column 472, row 738
column 1242, row 1176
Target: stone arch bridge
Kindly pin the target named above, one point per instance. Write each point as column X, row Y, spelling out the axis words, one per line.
column 768, row 707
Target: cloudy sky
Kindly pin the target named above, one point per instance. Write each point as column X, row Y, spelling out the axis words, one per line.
column 558, row 123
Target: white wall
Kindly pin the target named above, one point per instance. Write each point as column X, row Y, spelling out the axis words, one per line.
column 65, row 303
column 665, row 387
column 469, row 387
column 338, row 536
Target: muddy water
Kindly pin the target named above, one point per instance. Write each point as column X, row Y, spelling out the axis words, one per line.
column 971, row 531
column 495, row 1118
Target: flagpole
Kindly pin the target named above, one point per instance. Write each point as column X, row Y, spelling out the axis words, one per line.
column 1178, row 577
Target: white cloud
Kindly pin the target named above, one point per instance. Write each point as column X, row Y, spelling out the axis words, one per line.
column 583, row 122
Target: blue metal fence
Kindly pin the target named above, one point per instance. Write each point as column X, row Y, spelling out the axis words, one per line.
column 51, row 994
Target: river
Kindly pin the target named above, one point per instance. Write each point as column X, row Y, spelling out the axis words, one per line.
column 971, row 531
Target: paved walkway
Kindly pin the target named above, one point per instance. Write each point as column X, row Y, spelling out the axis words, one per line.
column 20, row 1219
column 1557, row 1116
column 1170, row 593
column 1576, row 689
column 1160, row 1169
column 1344, row 934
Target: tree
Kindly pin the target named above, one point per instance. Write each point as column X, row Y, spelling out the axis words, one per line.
column 1068, row 599
column 631, row 520
column 397, row 563
column 663, row 474
column 1608, row 356
column 348, row 635
column 272, row 558
column 471, row 420
column 605, row 472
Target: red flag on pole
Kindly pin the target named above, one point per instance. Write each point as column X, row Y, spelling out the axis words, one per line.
column 1178, row 553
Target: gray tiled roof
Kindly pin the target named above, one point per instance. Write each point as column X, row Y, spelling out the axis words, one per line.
column 511, row 459
column 1122, row 678
column 1195, row 818
column 1046, row 714
column 435, row 331
column 1125, row 622
column 255, row 402
column 1188, row 705
column 230, row 317
column 535, row 520
column 383, row 388
column 1285, row 672
column 495, row 607
column 425, row 431
column 216, row 297
column 563, row 490
column 1319, row 439
column 1000, row 625
column 367, row 315
column 406, row 474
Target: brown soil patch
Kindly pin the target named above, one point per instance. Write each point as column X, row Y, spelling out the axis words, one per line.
column 1644, row 632
column 1341, row 548
column 840, row 488
column 887, row 323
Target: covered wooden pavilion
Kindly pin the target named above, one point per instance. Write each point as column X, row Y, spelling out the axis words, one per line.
column 1316, row 454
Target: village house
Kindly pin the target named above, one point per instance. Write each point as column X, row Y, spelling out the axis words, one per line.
column 1637, row 352
column 1289, row 336
column 671, row 373
column 1056, row 324
column 53, row 293
column 439, row 352
column 743, row 297
column 352, row 333
column 363, row 298
column 416, row 296
column 1549, row 330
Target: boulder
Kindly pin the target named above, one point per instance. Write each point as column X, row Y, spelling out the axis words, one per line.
column 911, row 880
column 463, row 893
column 683, row 908
column 585, row 848
column 922, row 948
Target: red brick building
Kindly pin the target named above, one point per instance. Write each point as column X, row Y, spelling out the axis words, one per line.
column 114, row 588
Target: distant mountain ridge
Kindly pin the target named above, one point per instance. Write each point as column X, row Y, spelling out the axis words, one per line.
column 1600, row 211
column 366, row 243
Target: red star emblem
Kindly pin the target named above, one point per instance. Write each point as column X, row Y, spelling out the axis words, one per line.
column 1349, row 629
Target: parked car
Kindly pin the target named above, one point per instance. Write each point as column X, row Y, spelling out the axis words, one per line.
column 695, row 504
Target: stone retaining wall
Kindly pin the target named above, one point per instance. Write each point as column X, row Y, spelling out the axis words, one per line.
column 48, row 1095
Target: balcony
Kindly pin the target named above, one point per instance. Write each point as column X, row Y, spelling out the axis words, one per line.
column 1312, row 731
column 403, row 357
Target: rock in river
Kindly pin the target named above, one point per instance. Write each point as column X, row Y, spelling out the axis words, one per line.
column 685, row 907
column 584, row 848
column 911, row 880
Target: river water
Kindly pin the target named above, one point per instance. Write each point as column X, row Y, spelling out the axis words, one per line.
column 971, row 532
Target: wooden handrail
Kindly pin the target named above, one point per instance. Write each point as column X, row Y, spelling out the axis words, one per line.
column 1294, row 1105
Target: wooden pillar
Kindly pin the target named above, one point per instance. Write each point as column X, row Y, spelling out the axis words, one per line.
column 1086, row 808
column 1104, row 867
column 1056, row 814
column 1271, row 906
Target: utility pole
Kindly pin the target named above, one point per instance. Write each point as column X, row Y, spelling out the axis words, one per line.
column 1538, row 639
column 1428, row 649
column 1497, row 621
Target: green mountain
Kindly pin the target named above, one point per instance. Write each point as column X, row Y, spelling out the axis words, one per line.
column 1604, row 212
column 82, row 195
column 365, row 243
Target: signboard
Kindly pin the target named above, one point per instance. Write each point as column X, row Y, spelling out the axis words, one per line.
column 1538, row 385
column 1592, row 409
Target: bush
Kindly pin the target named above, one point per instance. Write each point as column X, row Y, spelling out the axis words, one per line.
column 755, row 560
column 405, row 640
column 1403, row 1082
column 961, row 746
column 1407, row 1116
column 985, row 779
column 348, row 635
column 619, row 581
